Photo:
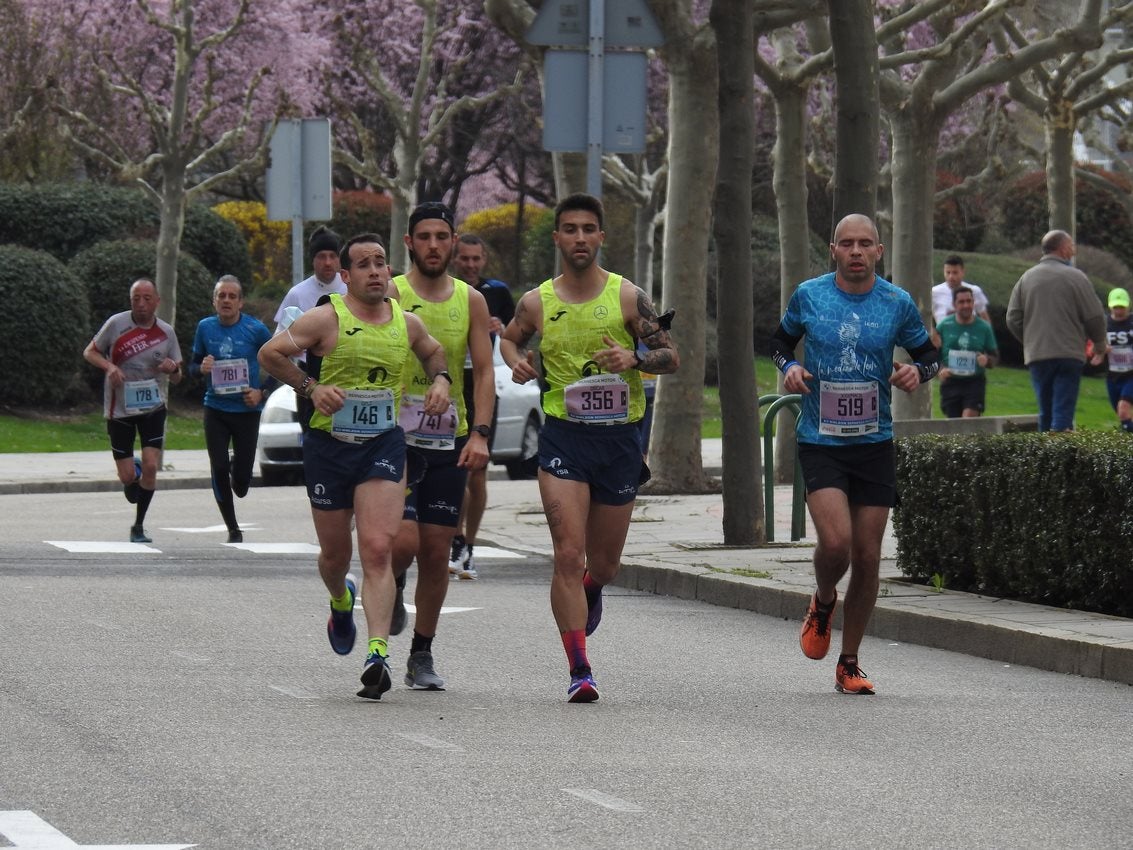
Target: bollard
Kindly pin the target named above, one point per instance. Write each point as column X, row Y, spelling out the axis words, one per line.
column 798, row 500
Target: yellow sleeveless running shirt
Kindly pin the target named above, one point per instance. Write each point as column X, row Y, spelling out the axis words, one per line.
column 572, row 333
column 447, row 321
column 371, row 358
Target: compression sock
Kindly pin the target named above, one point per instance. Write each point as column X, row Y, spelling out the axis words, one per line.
column 344, row 602
column 420, row 643
column 144, row 498
column 380, row 646
column 574, row 642
column 589, row 584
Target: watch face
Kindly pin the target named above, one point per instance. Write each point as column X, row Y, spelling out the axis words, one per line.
column 482, row 430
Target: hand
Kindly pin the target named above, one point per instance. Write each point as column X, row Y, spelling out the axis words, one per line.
column 944, row 374
column 252, row 396
column 794, row 381
column 437, row 398
column 981, row 360
column 206, row 364
column 524, row 369
column 327, row 399
column 613, row 359
column 495, row 325
column 905, row 377
column 475, row 454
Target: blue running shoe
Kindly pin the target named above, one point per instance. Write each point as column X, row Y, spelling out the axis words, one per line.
column 593, row 609
column 582, row 688
column 340, row 624
column 132, row 494
column 375, row 677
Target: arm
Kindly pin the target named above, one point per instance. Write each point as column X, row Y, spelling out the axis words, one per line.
column 475, row 454
column 315, row 330
column 96, row 358
column 925, row 365
column 1015, row 313
column 516, row 336
column 795, row 375
column 642, row 322
column 432, row 356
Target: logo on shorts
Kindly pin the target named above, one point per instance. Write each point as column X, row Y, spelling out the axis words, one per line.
column 556, row 466
column 446, row 507
column 320, row 490
column 385, row 464
column 624, row 490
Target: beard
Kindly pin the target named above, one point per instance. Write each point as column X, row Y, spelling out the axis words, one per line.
column 434, row 273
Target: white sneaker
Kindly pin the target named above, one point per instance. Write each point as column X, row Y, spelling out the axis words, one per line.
column 468, row 569
column 456, row 558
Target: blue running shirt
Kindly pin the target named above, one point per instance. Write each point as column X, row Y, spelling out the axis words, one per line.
column 850, row 341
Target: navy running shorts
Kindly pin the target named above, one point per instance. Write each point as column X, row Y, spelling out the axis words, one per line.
column 333, row 468
column 436, row 491
column 607, row 457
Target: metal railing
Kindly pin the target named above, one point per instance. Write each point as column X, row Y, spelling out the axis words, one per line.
column 776, row 403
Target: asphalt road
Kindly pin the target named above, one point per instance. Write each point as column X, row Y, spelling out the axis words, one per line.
column 187, row 695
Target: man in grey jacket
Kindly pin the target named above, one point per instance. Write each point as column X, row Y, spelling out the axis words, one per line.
column 1053, row 311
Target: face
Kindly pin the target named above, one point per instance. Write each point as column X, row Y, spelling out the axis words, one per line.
column 368, row 277
column 228, row 302
column 1119, row 314
column 855, row 250
column 953, row 275
column 143, row 301
column 469, row 262
column 326, row 266
column 431, row 244
column 578, row 238
column 964, row 305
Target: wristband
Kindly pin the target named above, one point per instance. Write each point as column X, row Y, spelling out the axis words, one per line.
column 444, row 375
column 787, row 366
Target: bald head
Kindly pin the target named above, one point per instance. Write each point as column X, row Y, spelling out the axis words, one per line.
column 1060, row 243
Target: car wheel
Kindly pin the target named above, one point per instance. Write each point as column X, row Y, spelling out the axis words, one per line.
column 527, row 464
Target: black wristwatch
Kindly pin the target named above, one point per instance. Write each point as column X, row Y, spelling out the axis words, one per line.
column 484, row 431
column 444, row 375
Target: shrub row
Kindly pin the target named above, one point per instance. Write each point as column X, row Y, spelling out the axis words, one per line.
column 1041, row 518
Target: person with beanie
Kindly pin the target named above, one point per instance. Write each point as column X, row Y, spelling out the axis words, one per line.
column 323, row 248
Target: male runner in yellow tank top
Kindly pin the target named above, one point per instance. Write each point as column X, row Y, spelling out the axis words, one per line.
column 358, row 347
column 590, row 462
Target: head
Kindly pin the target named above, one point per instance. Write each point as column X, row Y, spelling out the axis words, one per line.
column 143, row 301
column 578, row 230
column 1119, row 304
column 324, row 246
column 954, row 271
column 432, row 230
column 228, row 299
column 471, row 257
column 364, row 268
column 964, row 303
column 856, row 249
column 1060, row 244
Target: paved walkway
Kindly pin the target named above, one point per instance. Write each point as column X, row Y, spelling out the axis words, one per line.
column 676, row 548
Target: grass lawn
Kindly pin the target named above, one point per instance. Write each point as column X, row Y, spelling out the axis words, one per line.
column 1008, row 392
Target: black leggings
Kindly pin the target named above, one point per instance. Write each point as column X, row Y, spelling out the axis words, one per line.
column 240, row 430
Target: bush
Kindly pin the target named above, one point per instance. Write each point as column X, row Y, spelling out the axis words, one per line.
column 355, row 212
column 45, row 333
column 108, row 268
column 269, row 242
column 1063, row 543
column 216, row 242
column 497, row 227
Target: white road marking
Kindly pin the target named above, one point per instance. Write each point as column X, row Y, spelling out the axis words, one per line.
column 493, row 552
column 431, row 743
column 277, row 548
column 213, row 528
column 102, row 547
column 29, row 831
column 412, row 609
column 607, row 801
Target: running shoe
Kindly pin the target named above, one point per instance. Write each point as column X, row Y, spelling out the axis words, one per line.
column 376, row 679
column 420, row 674
column 138, row 535
column 132, row 489
column 814, row 637
column 593, row 608
column 456, row 557
column 340, row 624
column 397, row 622
column 849, row 679
column 582, row 688
column 468, row 566
column 235, row 536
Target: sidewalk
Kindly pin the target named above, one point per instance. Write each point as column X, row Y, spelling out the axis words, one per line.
column 675, row 548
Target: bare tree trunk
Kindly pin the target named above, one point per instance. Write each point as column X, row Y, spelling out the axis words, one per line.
column 645, row 229
column 854, row 40
column 168, row 244
column 915, row 138
column 1060, row 170
column 743, row 520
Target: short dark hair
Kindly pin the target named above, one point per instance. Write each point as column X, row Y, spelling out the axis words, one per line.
column 1054, row 241
column 472, row 239
column 580, row 201
column 344, row 254
column 960, row 289
column 954, row 260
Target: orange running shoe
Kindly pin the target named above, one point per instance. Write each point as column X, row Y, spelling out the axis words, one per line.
column 814, row 637
column 849, row 679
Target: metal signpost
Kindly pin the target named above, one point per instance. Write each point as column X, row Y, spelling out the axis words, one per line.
column 298, row 179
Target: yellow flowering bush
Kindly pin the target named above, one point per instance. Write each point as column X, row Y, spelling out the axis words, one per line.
column 496, row 226
column 269, row 242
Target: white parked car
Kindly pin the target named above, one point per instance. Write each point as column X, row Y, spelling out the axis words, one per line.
column 515, row 441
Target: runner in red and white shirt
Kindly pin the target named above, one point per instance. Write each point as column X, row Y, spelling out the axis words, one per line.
column 140, row 356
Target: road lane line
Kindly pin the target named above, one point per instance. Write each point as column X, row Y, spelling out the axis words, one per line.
column 606, row 801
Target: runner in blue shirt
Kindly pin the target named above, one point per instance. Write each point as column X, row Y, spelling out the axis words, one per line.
column 852, row 319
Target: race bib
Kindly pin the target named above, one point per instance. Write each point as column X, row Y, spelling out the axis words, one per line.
column 364, row 415
column 963, row 363
column 141, row 396
column 598, row 400
column 230, row 376
column 847, row 409
column 1121, row 358
column 424, row 430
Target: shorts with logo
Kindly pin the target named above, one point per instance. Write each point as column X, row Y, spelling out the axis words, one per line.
column 865, row 472
column 436, row 489
column 960, row 394
column 607, row 457
column 150, row 428
column 333, row 468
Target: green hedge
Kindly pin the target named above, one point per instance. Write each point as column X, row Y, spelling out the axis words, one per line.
column 44, row 327
column 1042, row 518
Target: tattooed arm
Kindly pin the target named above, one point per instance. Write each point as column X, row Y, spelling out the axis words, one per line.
column 528, row 321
